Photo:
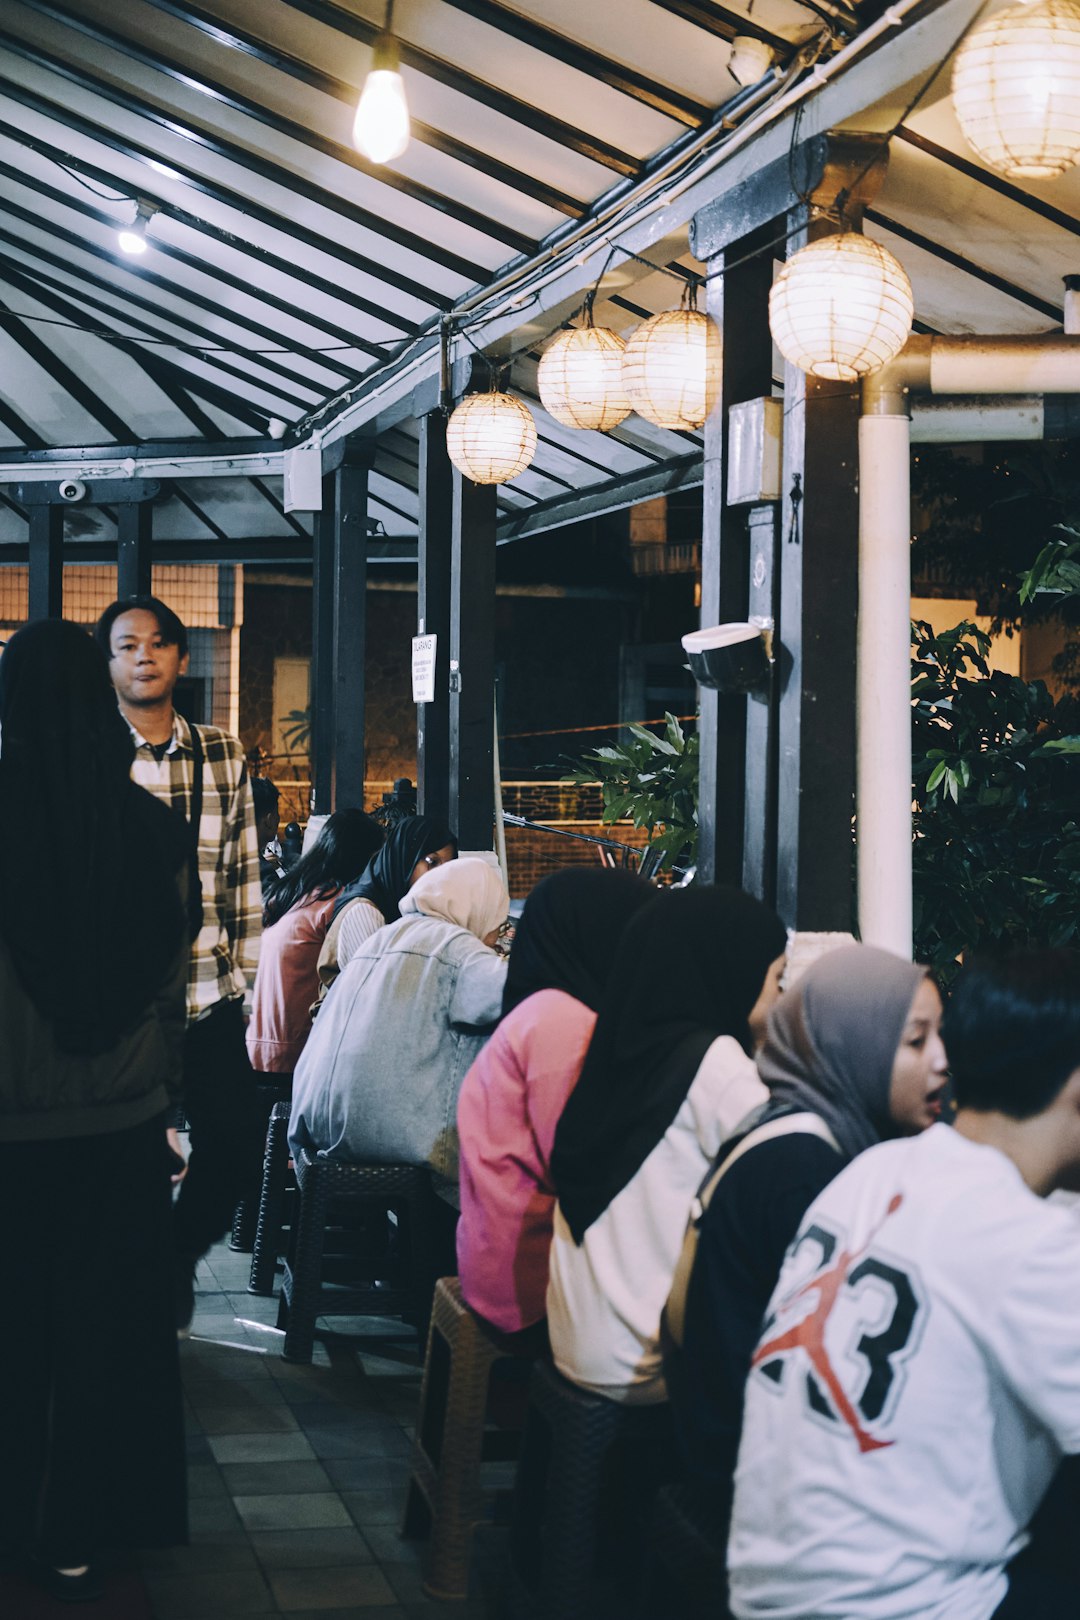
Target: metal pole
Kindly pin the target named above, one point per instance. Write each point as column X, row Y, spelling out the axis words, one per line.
column 883, row 823
column 46, row 596
column 134, row 525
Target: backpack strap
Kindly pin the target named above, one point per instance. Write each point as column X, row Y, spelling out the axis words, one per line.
column 802, row 1124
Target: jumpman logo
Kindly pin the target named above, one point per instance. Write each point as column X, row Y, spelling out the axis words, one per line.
column 809, row 1333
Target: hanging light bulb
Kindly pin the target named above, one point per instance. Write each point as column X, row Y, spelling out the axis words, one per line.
column 580, row 377
column 132, row 238
column 491, row 437
column 1016, row 89
column 381, row 128
column 840, row 307
column 671, row 368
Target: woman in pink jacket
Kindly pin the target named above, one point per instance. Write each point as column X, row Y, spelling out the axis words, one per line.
column 513, row 1094
column 295, row 922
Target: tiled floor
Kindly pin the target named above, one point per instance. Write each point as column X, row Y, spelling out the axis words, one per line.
column 297, row 1474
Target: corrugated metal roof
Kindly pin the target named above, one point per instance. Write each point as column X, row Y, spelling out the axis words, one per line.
column 286, row 275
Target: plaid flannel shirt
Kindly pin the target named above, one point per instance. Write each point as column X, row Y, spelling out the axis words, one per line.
column 226, row 953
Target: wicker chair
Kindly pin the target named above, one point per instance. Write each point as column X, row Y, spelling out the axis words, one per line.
column 269, row 1241
column 269, row 1093
column 326, row 1187
column 588, row 1468
column 446, row 1496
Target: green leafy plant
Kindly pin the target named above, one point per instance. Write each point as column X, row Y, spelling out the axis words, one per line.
column 652, row 780
column 1056, row 570
column 997, row 795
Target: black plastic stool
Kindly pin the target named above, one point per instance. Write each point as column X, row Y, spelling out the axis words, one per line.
column 688, row 1547
column 569, row 1495
column 326, row 1186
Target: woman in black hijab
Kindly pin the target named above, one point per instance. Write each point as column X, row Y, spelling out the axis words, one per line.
column 93, row 969
column 667, row 1077
column 413, row 846
column 513, row 1095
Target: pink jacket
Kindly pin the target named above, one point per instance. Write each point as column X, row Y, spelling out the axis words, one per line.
column 286, row 985
column 509, row 1106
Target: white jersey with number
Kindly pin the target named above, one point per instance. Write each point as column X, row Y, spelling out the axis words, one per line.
column 916, row 1382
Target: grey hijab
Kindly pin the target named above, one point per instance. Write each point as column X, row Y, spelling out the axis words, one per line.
column 832, row 1038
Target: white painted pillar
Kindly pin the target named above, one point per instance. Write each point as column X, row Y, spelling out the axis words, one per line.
column 883, row 792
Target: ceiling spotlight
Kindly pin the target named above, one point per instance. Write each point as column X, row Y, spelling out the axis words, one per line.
column 132, row 238
column 750, row 59
column 381, row 129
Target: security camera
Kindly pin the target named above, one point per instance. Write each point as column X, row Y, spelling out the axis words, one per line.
column 72, row 489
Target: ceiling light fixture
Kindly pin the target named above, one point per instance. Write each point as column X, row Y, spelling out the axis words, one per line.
column 381, row 129
column 131, row 238
column 750, row 59
column 580, row 377
column 491, row 437
column 1016, row 89
column 671, row 366
column 840, row 307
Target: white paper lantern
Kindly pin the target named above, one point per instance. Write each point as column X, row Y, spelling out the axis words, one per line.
column 1016, row 89
column 491, row 438
column 671, row 368
column 580, row 379
column 841, row 307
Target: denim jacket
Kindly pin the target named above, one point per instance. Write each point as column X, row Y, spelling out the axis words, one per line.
column 379, row 1078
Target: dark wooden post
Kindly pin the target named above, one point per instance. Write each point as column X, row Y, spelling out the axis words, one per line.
column 739, row 304
column 350, row 622
column 322, row 653
column 472, row 662
column 46, row 597
column 134, row 525
column 818, row 563
column 433, row 615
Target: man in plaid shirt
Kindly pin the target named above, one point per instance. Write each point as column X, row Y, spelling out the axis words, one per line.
column 146, row 645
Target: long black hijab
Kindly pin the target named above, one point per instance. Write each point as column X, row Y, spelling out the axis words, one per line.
column 688, row 969
column 386, row 877
column 89, row 908
column 569, row 932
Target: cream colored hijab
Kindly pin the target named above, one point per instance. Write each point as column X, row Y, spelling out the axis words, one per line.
column 468, row 893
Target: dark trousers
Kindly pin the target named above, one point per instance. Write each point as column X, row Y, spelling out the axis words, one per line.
column 227, row 1132
column 1044, row 1580
column 92, row 1453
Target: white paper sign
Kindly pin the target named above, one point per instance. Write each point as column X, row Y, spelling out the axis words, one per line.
column 423, row 668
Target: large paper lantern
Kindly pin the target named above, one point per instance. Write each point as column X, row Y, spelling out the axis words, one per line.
column 580, row 378
column 841, row 307
column 671, row 368
column 1016, row 89
column 491, row 438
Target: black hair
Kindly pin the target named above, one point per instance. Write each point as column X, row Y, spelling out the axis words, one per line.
column 265, row 796
column 171, row 627
column 1012, row 1031
column 340, row 853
